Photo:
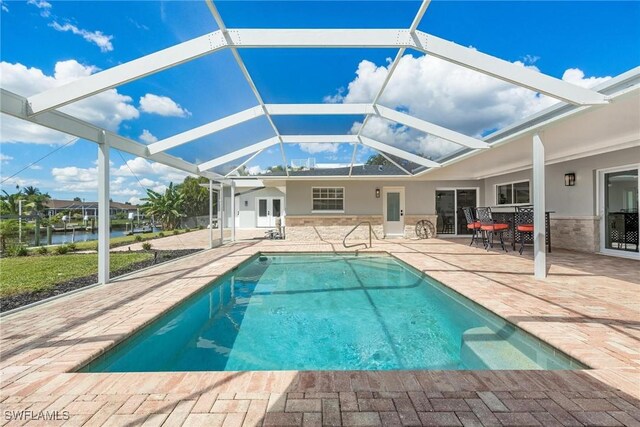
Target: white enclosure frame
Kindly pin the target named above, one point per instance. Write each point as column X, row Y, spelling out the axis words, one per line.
column 42, row 108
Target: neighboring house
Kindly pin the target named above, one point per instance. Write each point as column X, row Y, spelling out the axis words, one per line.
column 56, row 206
column 596, row 150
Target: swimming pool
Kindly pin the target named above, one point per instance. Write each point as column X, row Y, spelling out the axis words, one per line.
column 328, row 312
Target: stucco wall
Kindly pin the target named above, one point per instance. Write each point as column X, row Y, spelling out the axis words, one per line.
column 575, row 222
column 578, row 200
column 360, row 198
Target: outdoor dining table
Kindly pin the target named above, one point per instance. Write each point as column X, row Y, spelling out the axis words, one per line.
column 508, row 216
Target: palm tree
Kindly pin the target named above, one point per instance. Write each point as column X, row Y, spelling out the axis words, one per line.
column 167, row 207
column 10, row 203
column 30, row 190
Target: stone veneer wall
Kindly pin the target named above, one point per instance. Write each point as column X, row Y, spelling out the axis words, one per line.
column 335, row 227
column 577, row 233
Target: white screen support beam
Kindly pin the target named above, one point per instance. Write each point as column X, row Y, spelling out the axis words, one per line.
column 539, row 209
column 239, row 153
column 380, row 146
column 507, row 71
column 104, row 208
column 245, row 72
column 396, row 61
column 430, row 128
column 132, row 70
column 204, row 130
column 15, row 105
column 310, row 139
column 318, row 109
column 310, row 38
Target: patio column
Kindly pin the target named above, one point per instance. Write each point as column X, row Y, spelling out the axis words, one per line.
column 221, row 212
column 233, row 211
column 103, row 209
column 539, row 229
column 210, row 214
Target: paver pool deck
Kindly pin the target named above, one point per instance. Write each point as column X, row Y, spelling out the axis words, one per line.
column 588, row 307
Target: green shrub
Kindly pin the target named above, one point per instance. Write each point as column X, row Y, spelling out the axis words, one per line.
column 42, row 250
column 72, row 247
column 146, row 246
column 161, row 234
column 22, row 251
column 176, row 232
column 62, row 249
column 186, row 230
column 138, row 238
column 200, row 227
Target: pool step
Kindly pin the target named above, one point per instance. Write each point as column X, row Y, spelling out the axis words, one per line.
column 482, row 348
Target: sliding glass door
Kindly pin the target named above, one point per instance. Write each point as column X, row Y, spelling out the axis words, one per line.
column 449, row 204
column 619, row 211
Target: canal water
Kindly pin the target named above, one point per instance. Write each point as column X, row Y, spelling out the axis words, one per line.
column 68, row 237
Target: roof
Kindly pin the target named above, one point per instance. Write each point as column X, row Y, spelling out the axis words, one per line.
column 362, row 170
column 43, row 108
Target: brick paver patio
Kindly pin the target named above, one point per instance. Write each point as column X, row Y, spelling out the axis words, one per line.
column 588, row 308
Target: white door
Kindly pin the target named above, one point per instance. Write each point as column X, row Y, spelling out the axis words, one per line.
column 268, row 209
column 393, row 210
column 263, row 212
column 618, row 211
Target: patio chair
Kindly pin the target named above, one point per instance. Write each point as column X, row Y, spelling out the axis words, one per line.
column 489, row 228
column 472, row 224
column 524, row 223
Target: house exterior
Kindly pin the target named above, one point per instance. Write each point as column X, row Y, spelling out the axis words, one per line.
column 598, row 212
column 56, row 206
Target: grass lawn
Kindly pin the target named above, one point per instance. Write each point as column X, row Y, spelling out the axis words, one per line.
column 35, row 273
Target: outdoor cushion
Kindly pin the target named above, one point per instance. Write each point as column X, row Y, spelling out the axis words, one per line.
column 526, row 228
column 474, row 225
column 495, row 227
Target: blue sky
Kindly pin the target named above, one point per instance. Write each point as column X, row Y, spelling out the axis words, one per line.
column 41, row 39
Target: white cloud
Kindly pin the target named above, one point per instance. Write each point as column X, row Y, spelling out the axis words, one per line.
column 162, row 105
column 43, row 5
column 35, row 167
column 255, row 170
column 3, row 5
column 576, row 76
column 446, row 94
column 107, row 109
column 148, row 182
column 135, row 200
column 75, row 179
column 5, row 158
column 319, row 147
column 142, row 167
column 17, row 181
column 147, row 137
column 103, row 41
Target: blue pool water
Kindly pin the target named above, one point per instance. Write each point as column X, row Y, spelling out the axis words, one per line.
column 320, row 312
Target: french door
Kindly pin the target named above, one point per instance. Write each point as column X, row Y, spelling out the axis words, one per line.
column 449, row 204
column 268, row 209
column 618, row 211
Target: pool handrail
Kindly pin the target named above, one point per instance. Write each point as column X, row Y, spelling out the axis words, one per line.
column 344, row 241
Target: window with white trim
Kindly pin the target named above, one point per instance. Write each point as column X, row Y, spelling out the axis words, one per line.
column 328, row 199
column 513, row 193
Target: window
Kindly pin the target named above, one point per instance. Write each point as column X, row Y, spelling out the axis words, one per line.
column 328, row 199
column 513, row 193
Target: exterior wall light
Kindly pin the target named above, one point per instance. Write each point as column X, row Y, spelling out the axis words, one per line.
column 377, row 193
column 569, row 179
